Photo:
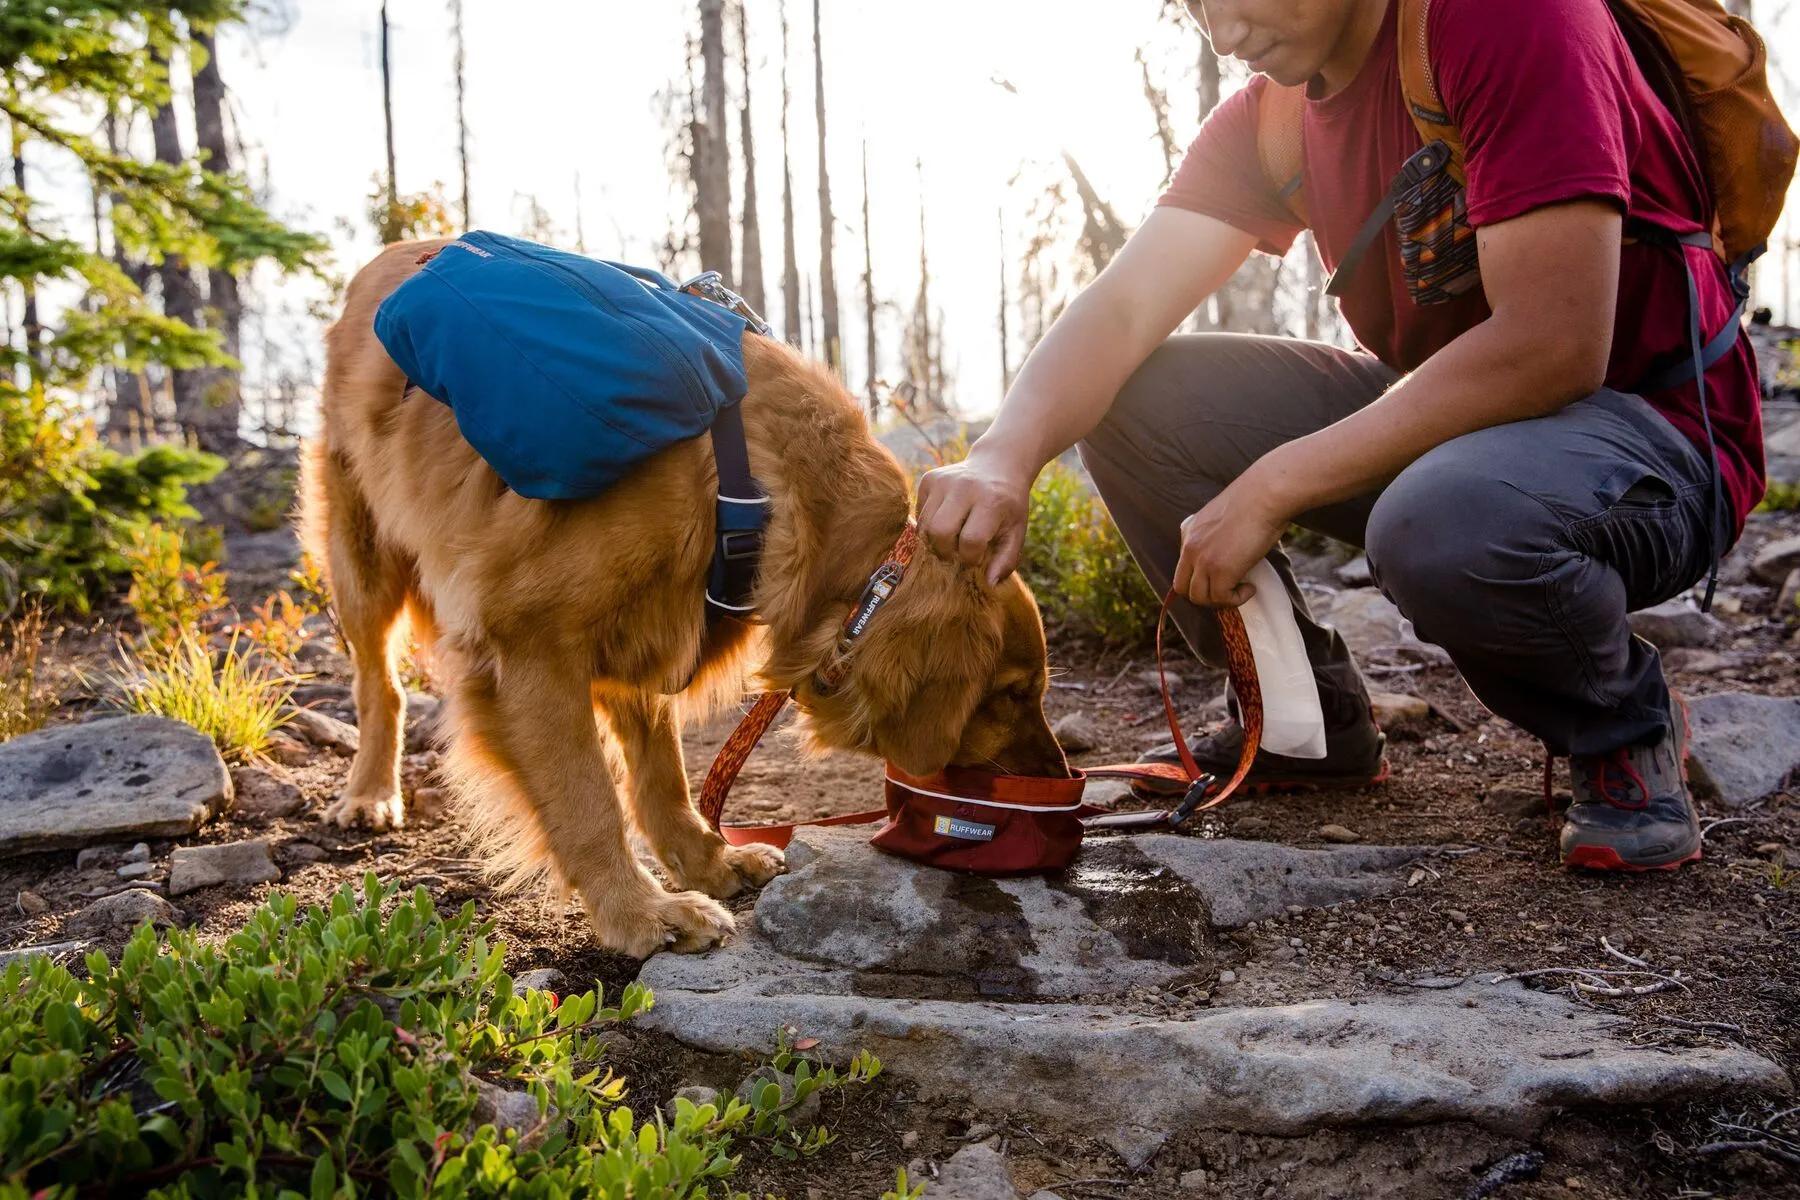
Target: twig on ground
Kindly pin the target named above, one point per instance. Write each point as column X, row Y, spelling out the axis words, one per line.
column 1701, row 1026
column 1757, row 1145
column 1592, row 981
column 1721, row 822
column 1075, row 1183
column 1621, row 955
column 1114, row 681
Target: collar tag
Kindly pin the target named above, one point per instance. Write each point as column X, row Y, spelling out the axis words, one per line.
column 881, row 585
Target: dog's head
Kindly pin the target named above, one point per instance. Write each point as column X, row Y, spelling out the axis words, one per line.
column 951, row 672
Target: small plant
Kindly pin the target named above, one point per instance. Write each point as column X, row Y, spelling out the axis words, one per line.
column 1780, row 497
column 771, row 1114
column 1079, row 567
column 328, row 1053
column 237, row 703
column 24, row 703
column 278, row 628
column 170, row 594
column 903, row 1190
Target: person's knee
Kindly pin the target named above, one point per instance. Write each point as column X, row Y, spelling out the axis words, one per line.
column 1445, row 534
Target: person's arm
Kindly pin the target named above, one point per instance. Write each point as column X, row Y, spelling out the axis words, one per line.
column 1551, row 278
column 975, row 510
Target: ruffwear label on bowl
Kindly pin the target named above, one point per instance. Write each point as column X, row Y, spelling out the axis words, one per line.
column 968, row 831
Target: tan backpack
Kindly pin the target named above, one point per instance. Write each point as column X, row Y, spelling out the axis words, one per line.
column 1707, row 66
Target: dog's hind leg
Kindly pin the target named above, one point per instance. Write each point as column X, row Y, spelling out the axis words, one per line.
column 532, row 712
column 694, row 855
column 368, row 589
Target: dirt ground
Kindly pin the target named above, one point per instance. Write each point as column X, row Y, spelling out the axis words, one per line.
column 1495, row 898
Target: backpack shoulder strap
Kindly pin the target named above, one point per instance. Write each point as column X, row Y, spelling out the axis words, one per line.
column 1278, row 115
column 1423, row 103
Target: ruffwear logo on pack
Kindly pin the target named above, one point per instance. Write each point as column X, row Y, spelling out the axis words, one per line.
column 968, row 831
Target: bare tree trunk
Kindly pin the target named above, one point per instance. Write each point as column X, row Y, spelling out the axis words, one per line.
column 34, row 329
column 790, row 266
column 1005, row 350
column 388, row 232
column 868, row 282
column 580, row 228
column 1103, row 234
column 1158, row 99
column 921, row 367
column 181, row 299
column 750, row 279
column 130, row 418
column 1315, row 289
column 828, row 299
column 712, row 154
column 810, row 294
column 1209, row 79
column 223, row 385
column 458, row 62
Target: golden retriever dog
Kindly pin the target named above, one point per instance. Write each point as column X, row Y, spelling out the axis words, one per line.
column 572, row 641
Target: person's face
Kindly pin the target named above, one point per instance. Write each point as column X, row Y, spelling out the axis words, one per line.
column 1290, row 41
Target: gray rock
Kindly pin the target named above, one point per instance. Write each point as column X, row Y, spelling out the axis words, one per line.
column 1339, row 833
column 265, row 793
column 31, row 904
column 110, row 780
column 275, row 550
column 423, row 713
column 1510, row 1061
column 1374, row 629
column 1105, row 793
column 974, row 1173
column 1076, row 733
column 309, row 694
column 1134, row 912
column 695, row 1094
column 1194, row 1180
column 1135, row 1145
column 1045, row 1194
column 506, row 1111
column 321, row 651
column 328, row 733
column 136, row 870
column 124, row 910
column 99, row 857
column 139, row 853
column 801, row 1116
column 298, row 851
column 1677, row 624
column 1516, row 801
column 288, row 751
column 1743, row 746
column 1695, row 662
column 1355, row 573
column 237, row 863
column 544, row 979
column 1787, row 601
column 55, row 950
column 1775, row 559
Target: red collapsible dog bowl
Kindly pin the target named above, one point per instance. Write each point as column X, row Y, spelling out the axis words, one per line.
column 971, row 820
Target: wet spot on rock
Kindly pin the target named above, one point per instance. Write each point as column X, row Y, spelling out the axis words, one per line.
column 1153, row 912
column 978, row 933
column 138, row 780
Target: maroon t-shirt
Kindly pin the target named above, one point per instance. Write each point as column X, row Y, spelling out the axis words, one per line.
column 1552, row 107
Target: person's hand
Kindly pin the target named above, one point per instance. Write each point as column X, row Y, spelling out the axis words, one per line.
column 974, row 511
column 1221, row 543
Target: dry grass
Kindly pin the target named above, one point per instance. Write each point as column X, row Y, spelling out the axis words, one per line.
column 25, row 704
column 236, row 701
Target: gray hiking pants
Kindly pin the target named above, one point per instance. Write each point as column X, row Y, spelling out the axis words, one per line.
column 1519, row 549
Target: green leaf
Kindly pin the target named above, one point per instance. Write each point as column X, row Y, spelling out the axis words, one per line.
column 335, row 1084
column 324, row 1178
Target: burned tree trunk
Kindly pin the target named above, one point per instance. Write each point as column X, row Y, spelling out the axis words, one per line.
column 790, row 266
column 828, row 299
column 1158, row 99
column 33, row 326
column 868, row 282
column 750, row 278
column 223, row 386
column 181, row 300
column 1102, row 233
column 389, row 232
column 712, row 155
column 1005, row 350
column 131, row 417
column 458, row 63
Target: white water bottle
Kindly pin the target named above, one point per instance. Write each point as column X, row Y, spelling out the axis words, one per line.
column 1293, row 720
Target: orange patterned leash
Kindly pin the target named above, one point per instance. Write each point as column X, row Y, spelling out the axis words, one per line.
column 737, row 748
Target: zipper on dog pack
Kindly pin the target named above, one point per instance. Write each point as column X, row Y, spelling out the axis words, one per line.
column 527, row 255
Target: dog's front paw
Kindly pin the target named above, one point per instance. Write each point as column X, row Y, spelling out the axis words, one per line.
column 726, row 869
column 685, row 922
column 379, row 811
column 756, row 863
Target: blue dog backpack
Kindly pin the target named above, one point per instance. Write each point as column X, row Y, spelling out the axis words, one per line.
column 564, row 372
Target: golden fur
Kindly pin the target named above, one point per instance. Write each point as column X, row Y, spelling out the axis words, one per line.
column 568, row 629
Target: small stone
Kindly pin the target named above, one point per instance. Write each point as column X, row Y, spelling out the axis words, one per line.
column 1694, row 661
column 100, row 856
column 1516, row 801
column 1787, row 603
column 1776, row 560
column 1355, row 573
column 136, row 870
column 1396, row 710
column 1457, row 915
column 544, row 979
column 303, row 852
column 32, row 904
column 694, row 1094
column 309, row 694
column 423, row 715
column 1770, row 848
column 1045, row 1194
column 265, row 793
column 909, row 1140
column 1250, row 827
column 981, row 1131
column 288, row 751
column 1136, row 1145
column 1296, row 942
column 504, row 1110
column 1282, row 954
column 139, row 853
column 429, row 802
column 753, row 1084
column 973, row 1173
column 238, row 863
column 318, row 650
column 1743, row 747
column 124, row 910
column 1193, row 1180
column 1227, row 977
column 1155, row 680
column 1076, row 733
column 1339, row 833
column 327, row 733
column 1677, row 623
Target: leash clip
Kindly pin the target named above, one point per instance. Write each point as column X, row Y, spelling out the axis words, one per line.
column 710, row 285
column 1196, row 796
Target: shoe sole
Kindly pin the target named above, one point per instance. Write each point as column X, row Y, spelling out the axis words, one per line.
column 1605, row 858
column 1271, row 787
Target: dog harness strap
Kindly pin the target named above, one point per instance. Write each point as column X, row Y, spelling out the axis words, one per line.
column 742, row 509
column 736, row 750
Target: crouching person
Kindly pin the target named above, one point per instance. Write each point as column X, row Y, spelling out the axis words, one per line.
column 1550, row 423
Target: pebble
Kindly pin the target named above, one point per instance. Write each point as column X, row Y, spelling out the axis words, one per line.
column 1396, row 710
column 1294, row 941
column 546, row 979
column 1153, row 679
column 139, row 853
column 1227, row 976
column 1458, row 915
column 1339, row 833
column 1788, row 601
column 241, row 863
column 289, row 752
column 1516, row 801
column 694, row 1094
column 124, row 910
column 323, row 731
column 1076, row 733
column 99, row 856
column 909, row 1139
column 32, row 904
column 264, row 793
column 1355, row 574
column 136, row 870
column 1193, row 1180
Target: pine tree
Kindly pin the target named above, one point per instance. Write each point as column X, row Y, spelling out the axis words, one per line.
column 458, row 64
column 180, row 294
column 828, row 298
column 750, row 278
column 1005, row 347
column 712, row 155
column 221, row 387
column 790, row 265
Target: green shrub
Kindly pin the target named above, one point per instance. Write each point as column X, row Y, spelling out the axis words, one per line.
column 70, row 508
column 331, row 1053
column 1078, row 566
column 1780, row 497
column 169, row 594
column 235, row 699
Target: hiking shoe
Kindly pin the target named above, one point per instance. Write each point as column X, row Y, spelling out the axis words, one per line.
column 1353, row 758
column 1631, row 808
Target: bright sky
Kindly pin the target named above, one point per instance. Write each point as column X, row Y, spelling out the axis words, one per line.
column 558, row 88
